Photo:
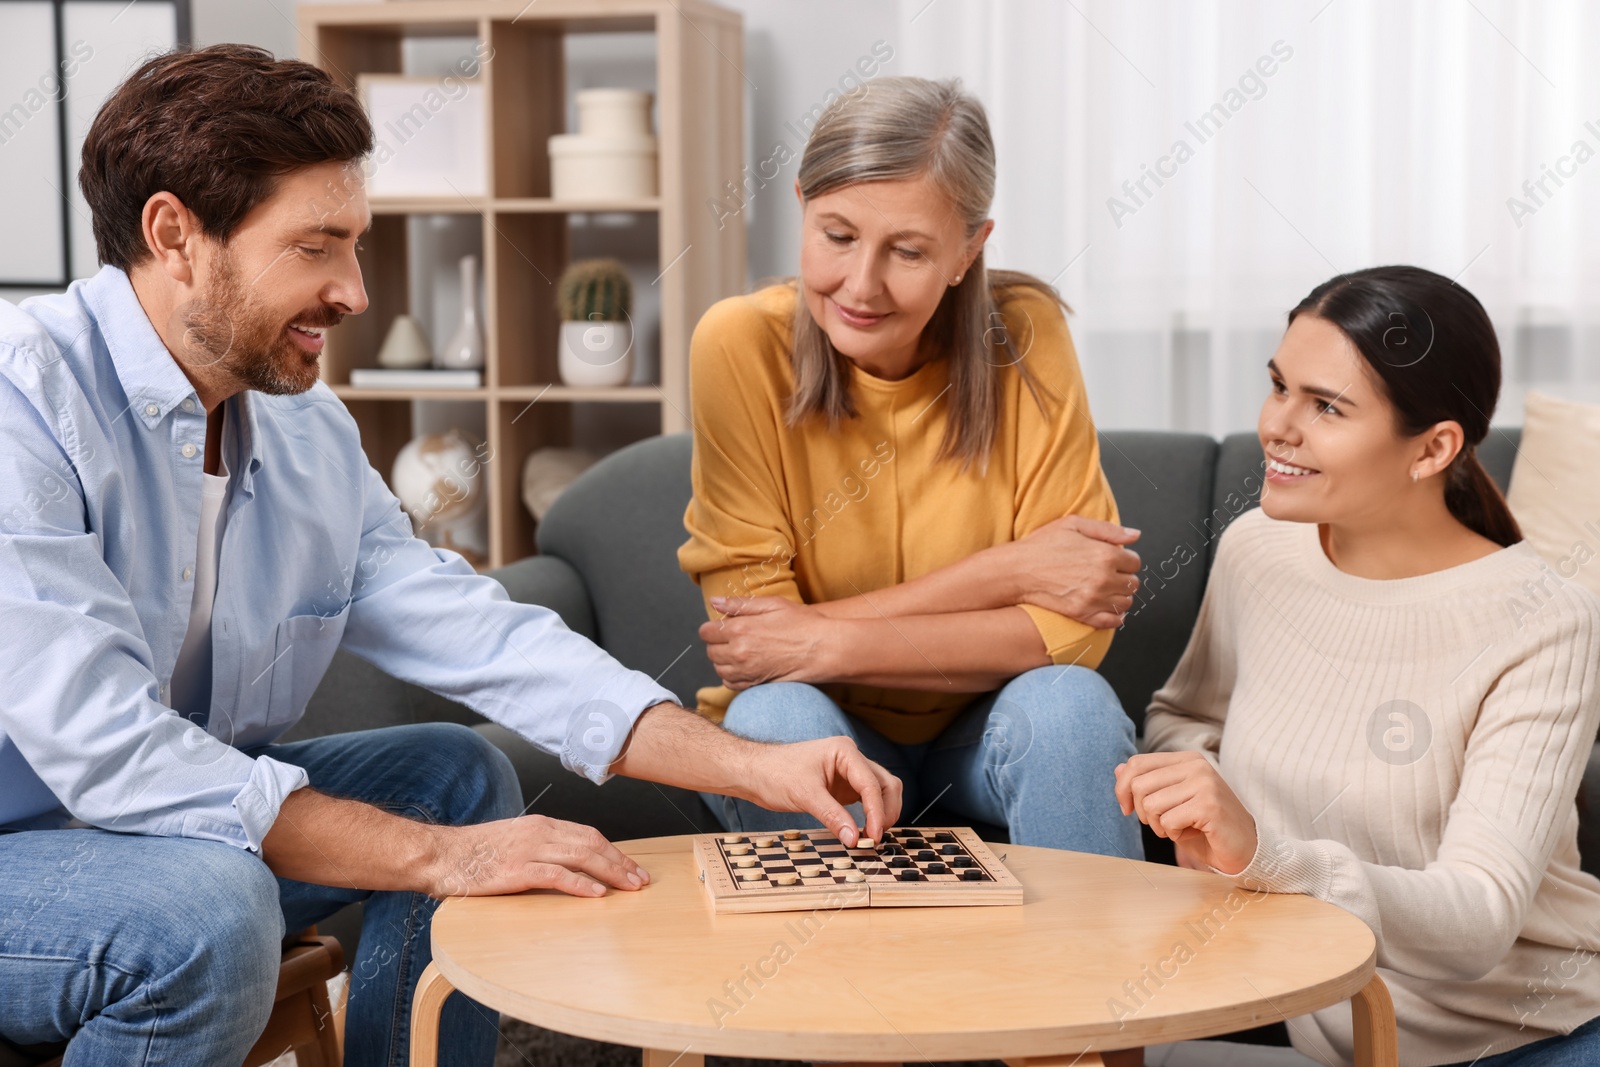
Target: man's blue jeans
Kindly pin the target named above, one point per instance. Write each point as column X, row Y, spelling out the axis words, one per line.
column 1036, row 756
column 150, row 950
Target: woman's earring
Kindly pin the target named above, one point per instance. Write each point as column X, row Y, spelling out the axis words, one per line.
column 1413, row 474
column 957, row 281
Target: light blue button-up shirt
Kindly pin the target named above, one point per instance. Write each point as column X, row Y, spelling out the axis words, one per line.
column 102, row 445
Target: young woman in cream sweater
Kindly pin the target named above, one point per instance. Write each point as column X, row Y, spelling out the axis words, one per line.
column 1388, row 700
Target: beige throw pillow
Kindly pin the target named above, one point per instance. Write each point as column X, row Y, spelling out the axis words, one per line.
column 1555, row 486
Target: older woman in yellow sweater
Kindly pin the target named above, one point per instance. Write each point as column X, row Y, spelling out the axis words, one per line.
column 899, row 521
column 1389, row 699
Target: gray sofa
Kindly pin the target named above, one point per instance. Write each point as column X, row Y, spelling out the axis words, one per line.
column 608, row 565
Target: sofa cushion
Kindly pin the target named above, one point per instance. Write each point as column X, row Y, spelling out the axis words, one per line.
column 1554, row 493
column 622, row 809
column 553, row 583
column 1237, row 489
column 1498, row 454
column 1163, row 484
column 355, row 695
column 620, row 526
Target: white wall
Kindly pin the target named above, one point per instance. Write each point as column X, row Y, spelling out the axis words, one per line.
column 794, row 53
column 268, row 23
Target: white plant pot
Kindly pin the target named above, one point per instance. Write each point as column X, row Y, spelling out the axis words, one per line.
column 596, row 354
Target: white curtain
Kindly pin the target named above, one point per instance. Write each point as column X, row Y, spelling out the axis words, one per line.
column 1297, row 140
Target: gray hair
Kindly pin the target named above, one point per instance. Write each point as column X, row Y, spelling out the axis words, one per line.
column 902, row 128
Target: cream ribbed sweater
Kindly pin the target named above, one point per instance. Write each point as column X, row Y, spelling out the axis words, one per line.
column 1411, row 751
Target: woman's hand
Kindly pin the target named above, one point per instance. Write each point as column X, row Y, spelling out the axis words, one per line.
column 1077, row 567
column 1181, row 796
column 764, row 639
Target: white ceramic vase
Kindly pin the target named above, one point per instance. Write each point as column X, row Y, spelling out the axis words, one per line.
column 596, row 354
column 464, row 350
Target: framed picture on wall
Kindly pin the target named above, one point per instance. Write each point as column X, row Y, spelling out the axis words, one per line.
column 59, row 60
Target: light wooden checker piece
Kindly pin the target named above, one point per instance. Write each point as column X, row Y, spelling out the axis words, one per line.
column 803, row 870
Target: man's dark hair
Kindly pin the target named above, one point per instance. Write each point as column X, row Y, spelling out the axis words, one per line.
column 216, row 127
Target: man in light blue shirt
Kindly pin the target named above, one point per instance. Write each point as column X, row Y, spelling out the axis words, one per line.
column 188, row 531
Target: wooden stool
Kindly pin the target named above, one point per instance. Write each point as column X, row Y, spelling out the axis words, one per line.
column 302, row 1016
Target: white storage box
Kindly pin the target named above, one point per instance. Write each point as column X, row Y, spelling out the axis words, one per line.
column 613, row 112
column 602, row 168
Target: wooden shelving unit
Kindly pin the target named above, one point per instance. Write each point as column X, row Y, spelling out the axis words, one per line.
column 700, row 129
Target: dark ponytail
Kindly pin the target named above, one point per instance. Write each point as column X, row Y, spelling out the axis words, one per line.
column 1432, row 346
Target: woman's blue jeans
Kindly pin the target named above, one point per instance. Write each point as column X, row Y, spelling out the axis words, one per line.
column 1581, row 1048
column 1035, row 756
column 154, row 950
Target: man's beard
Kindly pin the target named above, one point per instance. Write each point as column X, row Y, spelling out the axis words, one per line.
column 226, row 331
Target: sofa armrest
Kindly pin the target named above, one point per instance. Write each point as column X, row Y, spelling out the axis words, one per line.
column 553, row 583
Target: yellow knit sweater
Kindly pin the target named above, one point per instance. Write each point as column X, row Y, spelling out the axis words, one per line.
column 815, row 515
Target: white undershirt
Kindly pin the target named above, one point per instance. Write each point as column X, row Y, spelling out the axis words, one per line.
column 191, row 678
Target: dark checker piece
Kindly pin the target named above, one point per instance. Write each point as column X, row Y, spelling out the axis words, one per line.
column 914, row 842
column 898, row 861
column 950, row 850
column 961, row 861
column 910, row 874
column 944, row 837
column 926, row 854
column 972, row 874
column 937, row 868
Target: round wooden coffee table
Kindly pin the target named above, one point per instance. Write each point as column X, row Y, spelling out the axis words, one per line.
column 1104, row 955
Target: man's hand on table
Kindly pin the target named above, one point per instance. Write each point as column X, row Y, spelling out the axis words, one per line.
column 528, row 852
column 340, row 842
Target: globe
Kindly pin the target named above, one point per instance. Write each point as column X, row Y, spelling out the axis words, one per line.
column 438, row 478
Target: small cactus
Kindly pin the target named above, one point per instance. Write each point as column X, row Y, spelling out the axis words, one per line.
column 594, row 290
